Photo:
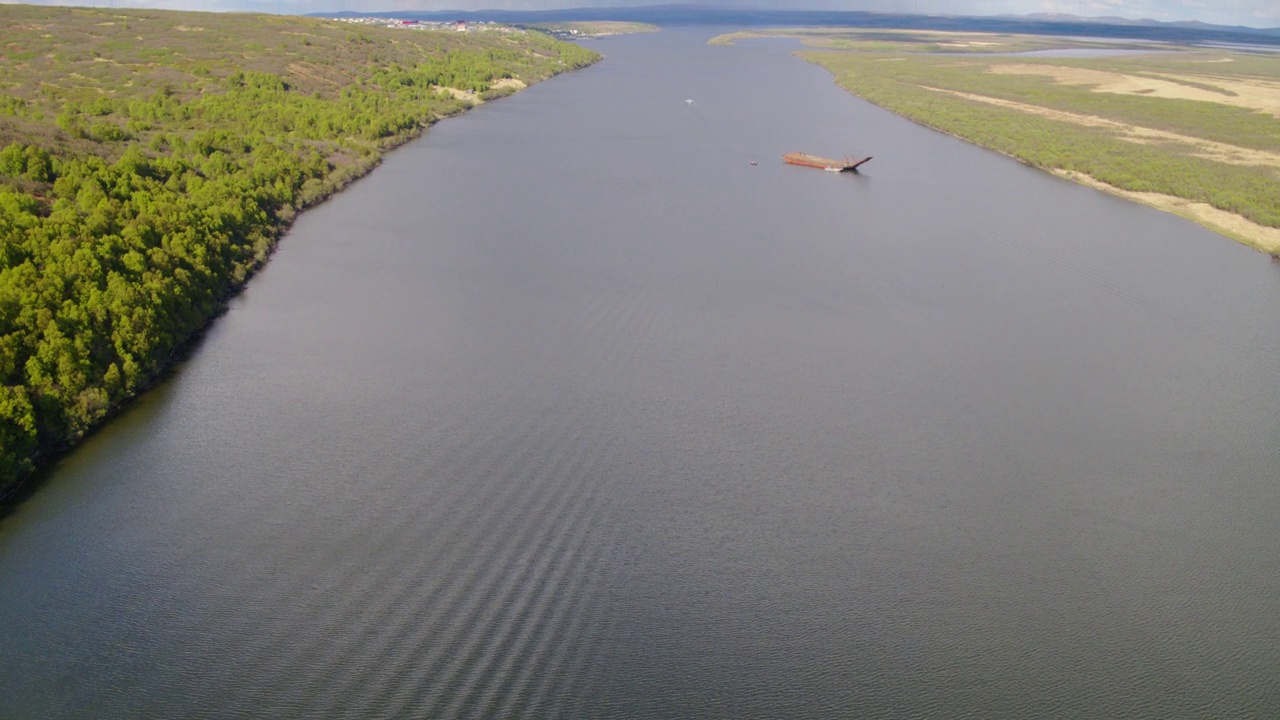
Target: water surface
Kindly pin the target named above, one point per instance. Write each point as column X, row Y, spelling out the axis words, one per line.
column 569, row 411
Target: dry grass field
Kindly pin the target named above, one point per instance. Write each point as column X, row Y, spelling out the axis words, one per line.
column 596, row 28
column 1190, row 130
column 81, row 57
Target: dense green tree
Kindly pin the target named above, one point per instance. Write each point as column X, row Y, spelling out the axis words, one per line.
column 125, row 222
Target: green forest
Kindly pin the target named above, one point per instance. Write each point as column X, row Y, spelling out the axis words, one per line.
column 149, row 160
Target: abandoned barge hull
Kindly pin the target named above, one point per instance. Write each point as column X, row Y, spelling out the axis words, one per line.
column 849, row 164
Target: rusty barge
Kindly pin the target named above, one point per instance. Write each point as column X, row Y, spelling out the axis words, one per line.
column 849, row 164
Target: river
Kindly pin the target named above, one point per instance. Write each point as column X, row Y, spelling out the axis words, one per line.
column 570, row 411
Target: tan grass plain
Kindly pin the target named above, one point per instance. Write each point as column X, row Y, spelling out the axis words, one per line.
column 1227, row 86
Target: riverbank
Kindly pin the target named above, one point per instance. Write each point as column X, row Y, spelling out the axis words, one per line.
column 1236, row 227
column 1185, row 130
column 151, row 159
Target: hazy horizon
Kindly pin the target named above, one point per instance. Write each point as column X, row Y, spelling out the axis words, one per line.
column 1251, row 13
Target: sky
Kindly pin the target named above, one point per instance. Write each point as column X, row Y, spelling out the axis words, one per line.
column 1253, row 13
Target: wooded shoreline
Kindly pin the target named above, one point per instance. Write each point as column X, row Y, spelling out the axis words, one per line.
column 149, row 161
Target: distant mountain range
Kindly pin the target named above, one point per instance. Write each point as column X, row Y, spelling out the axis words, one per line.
column 1040, row 24
column 1193, row 25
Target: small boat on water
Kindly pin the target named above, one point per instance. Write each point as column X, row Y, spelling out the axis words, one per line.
column 753, row 162
column 849, row 164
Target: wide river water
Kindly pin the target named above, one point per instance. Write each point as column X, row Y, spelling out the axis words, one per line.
column 570, row 411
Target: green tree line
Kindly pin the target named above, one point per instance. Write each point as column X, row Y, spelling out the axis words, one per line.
column 125, row 222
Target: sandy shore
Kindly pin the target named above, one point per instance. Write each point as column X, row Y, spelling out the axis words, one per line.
column 1204, row 77
column 1239, row 228
column 1261, row 237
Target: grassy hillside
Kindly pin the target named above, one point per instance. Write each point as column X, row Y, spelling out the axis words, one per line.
column 149, row 160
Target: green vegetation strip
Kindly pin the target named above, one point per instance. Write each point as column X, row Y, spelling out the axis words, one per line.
column 904, row 71
column 150, row 160
column 1246, row 190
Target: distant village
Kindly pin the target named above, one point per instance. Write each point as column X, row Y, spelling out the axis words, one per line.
column 455, row 25
column 562, row 33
